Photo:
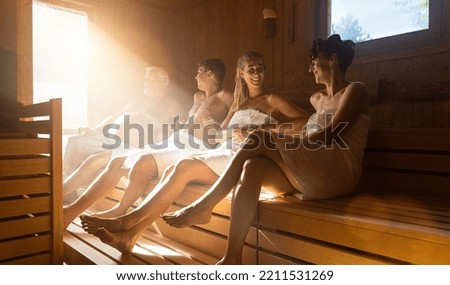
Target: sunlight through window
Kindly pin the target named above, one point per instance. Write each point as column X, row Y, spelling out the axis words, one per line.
column 60, row 61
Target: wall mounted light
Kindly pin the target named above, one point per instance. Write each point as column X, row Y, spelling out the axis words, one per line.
column 270, row 22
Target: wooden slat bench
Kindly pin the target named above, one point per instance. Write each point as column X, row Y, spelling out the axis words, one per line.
column 400, row 214
column 31, row 187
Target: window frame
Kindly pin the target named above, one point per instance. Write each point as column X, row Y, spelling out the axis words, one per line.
column 372, row 46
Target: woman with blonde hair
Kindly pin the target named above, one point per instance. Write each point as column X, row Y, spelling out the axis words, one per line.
column 322, row 162
column 252, row 108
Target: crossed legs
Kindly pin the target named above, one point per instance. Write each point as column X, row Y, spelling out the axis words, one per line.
column 257, row 164
column 257, row 145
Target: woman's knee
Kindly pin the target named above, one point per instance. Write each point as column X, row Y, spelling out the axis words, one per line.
column 115, row 163
column 259, row 140
column 146, row 164
column 97, row 160
column 265, row 173
column 253, row 168
column 253, row 141
column 184, row 166
column 169, row 169
column 191, row 169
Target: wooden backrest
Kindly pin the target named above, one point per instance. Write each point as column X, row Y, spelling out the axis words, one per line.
column 413, row 161
column 31, row 187
column 418, row 86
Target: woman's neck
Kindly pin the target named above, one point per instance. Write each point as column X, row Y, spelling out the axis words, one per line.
column 337, row 83
column 255, row 92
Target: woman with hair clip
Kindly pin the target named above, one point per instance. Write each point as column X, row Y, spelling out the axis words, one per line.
column 252, row 108
column 322, row 162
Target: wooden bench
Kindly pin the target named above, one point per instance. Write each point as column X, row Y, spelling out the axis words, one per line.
column 31, row 187
column 400, row 214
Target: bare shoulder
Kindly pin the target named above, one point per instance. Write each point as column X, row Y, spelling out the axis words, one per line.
column 357, row 90
column 278, row 101
column 358, row 87
column 199, row 96
column 226, row 95
column 274, row 97
column 357, row 93
column 315, row 97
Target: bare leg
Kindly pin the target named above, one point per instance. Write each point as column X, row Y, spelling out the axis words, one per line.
column 85, row 173
column 98, row 189
column 164, row 194
column 141, row 173
column 124, row 241
column 258, row 172
column 257, row 145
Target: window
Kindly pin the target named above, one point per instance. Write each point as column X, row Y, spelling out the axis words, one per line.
column 365, row 20
column 60, row 60
column 383, row 23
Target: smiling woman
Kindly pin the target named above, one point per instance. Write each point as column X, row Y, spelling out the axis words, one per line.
column 60, row 60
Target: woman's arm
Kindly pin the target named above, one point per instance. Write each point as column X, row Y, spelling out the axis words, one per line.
column 221, row 132
column 353, row 102
column 296, row 117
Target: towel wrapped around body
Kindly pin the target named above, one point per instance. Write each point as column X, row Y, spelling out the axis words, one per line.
column 219, row 158
column 327, row 171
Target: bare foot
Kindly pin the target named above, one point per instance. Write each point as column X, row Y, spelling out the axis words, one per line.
column 91, row 224
column 188, row 216
column 119, row 240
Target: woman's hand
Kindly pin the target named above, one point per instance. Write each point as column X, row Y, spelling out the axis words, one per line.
column 240, row 135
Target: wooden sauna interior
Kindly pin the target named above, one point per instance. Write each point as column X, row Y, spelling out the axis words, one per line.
column 409, row 85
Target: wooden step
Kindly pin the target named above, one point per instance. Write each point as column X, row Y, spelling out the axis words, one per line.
column 151, row 248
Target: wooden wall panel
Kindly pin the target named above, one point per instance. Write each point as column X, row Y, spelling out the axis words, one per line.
column 8, row 50
column 446, row 18
column 441, row 113
column 402, row 115
column 128, row 36
column 288, row 61
column 233, row 27
column 24, row 52
column 177, row 38
column 277, row 49
column 289, row 48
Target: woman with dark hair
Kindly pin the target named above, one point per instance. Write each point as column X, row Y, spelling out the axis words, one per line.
column 324, row 161
column 252, row 108
column 211, row 102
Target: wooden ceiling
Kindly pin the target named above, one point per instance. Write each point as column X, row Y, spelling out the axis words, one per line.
column 175, row 5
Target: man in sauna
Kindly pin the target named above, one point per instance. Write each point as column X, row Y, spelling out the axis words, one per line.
column 142, row 110
column 211, row 106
